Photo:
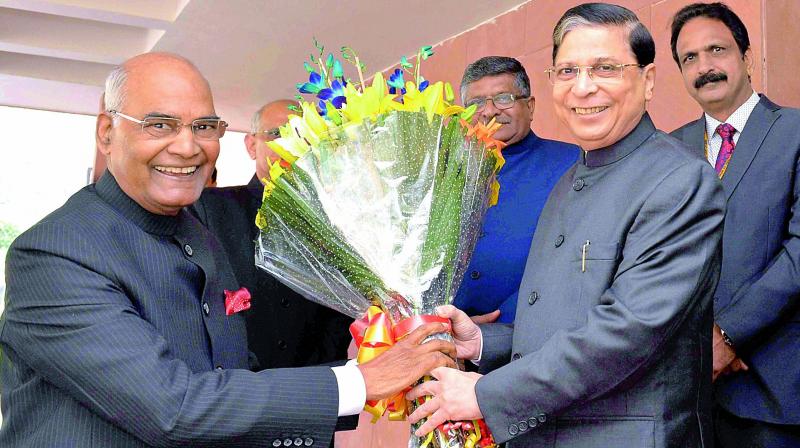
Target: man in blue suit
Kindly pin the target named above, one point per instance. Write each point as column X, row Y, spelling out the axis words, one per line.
column 754, row 145
column 500, row 89
column 116, row 331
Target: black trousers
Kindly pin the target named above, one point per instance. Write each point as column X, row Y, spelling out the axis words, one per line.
column 731, row 431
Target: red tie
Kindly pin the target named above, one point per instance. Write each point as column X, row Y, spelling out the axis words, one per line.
column 726, row 131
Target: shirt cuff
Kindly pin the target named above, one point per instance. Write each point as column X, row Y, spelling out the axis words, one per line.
column 352, row 389
column 477, row 361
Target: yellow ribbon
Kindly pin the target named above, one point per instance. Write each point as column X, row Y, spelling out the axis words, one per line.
column 374, row 340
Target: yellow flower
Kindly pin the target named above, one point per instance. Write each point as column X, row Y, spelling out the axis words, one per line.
column 431, row 99
column 369, row 104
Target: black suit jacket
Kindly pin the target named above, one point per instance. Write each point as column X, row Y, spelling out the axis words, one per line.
column 757, row 301
column 283, row 328
column 115, row 335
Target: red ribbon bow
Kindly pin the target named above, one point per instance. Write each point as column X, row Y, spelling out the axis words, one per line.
column 236, row 301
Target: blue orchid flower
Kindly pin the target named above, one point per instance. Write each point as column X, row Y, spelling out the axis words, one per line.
column 396, row 82
column 314, row 85
column 322, row 105
column 334, row 94
column 423, row 85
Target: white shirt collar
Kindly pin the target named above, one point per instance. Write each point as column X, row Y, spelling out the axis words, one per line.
column 737, row 119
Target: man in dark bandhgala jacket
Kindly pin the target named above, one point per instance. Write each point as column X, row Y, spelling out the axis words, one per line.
column 283, row 328
column 611, row 344
column 115, row 331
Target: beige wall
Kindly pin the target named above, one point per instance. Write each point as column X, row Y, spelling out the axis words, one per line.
column 525, row 33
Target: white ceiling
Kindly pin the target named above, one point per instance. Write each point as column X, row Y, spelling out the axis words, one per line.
column 54, row 54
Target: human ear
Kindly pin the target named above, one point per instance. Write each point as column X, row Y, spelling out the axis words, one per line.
column 103, row 129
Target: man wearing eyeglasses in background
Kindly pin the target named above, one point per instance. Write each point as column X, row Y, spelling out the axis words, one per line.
column 283, row 328
column 610, row 346
column 117, row 331
column 500, row 88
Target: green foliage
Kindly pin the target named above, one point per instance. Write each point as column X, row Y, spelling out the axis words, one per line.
column 7, row 234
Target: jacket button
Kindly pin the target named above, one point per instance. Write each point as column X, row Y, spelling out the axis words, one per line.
column 474, row 275
column 533, row 298
column 513, row 429
column 219, row 368
column 542, row 418
column 282, row 344
column 578, row 184
column 188, row 249
column 308, row 441
column 206, row 308
column 284, row 302
column 276, row 443
column 298, row 442
column 515, row 356
column 532, row 422
column 287, row 442
column 523, row 426
column 559, row 240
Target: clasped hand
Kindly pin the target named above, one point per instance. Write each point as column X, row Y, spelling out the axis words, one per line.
column 452, row 392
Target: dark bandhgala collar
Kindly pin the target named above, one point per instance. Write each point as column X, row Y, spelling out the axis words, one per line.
column 620, row 149
column 109, row 190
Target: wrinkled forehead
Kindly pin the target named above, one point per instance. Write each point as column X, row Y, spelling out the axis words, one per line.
column 175, row 91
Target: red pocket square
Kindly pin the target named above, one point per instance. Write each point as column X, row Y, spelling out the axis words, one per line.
column 236, row 301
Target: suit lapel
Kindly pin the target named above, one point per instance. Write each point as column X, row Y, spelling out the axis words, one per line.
column 695, row 136
column 753, row 134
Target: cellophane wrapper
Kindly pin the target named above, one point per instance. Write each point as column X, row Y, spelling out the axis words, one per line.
column 386, row 213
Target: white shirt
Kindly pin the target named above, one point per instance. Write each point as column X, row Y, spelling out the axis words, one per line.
column 352, row 388
column 737, row 119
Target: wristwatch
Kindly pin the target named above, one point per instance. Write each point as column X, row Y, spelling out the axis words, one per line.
column 725, row 338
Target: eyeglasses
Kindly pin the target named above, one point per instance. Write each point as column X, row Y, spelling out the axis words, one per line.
column 166, row 127
column 602, row 72
column 501, row 101
column 273, row 133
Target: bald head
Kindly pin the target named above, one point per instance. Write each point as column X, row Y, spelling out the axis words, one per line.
column 269, row 117
column 116, row 86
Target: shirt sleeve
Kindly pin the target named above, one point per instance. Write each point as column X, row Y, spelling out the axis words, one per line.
column 352, row 389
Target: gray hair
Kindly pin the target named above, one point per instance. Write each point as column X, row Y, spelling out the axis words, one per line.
column 569, row 23
column 115, row 91
column 494, row 66
column 602, row 14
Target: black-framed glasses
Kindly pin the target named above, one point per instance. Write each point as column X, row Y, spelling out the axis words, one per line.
column 168, row 127
column 600, row 72
column 271, row 133
column 501, row 101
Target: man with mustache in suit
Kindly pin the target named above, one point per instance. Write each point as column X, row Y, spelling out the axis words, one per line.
column 754, row 146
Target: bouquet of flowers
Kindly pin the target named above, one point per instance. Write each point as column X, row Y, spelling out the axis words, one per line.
column 375, row 206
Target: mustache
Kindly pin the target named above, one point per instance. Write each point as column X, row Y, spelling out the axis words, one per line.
column 497, row 119
column 709, row 77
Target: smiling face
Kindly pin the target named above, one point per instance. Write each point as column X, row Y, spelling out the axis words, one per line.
column 516, row 120
column 715, row 72
column 600, row 114
column 162, row 175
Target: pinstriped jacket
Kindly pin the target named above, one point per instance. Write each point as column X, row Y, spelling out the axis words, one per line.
column 115, row 335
